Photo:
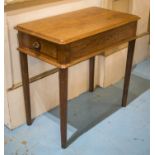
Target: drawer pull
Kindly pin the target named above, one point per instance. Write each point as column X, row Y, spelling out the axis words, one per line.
column 36, row 45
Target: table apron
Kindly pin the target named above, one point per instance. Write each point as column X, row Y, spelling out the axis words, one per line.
column 69, row 54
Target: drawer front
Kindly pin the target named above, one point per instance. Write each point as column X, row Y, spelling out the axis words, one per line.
column 37, row 44
column 103, row 40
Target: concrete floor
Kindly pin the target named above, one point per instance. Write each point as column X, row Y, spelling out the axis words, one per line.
column 103, row 127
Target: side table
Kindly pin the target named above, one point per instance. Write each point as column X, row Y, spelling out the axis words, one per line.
column 67, row 39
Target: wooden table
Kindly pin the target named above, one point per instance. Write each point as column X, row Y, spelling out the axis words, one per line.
column 67, row 39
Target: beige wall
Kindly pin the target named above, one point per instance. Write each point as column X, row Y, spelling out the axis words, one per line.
column 112, row 67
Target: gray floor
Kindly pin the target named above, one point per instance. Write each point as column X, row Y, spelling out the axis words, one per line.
column 88, row 109
column 116, row 131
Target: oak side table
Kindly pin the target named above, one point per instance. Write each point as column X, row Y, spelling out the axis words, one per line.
column 67, row 39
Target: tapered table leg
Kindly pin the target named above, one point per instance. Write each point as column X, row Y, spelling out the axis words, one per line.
column 63, row 88
column 91, row 73
column 26, row 90
column 129, row 62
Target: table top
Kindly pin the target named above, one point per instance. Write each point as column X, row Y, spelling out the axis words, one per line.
column 73, row 26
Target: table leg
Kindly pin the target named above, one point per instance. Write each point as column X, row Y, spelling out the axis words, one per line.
column 63, row 88
column 91, row 73
column 129, row 62
column 26, row 90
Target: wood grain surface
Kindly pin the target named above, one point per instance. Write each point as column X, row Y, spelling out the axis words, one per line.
column 73, row 26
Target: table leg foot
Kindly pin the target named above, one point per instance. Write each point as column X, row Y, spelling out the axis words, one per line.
column 64, row 146
column 91, row 73
column 63, row 88
column 26, row 90
column 128, row 72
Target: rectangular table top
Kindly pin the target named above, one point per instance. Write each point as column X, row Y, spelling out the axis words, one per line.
column 73, row 26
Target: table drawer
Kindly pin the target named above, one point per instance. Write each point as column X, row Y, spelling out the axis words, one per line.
column 37, row 44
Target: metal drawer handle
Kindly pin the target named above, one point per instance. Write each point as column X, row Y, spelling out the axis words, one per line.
column 36, row 45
